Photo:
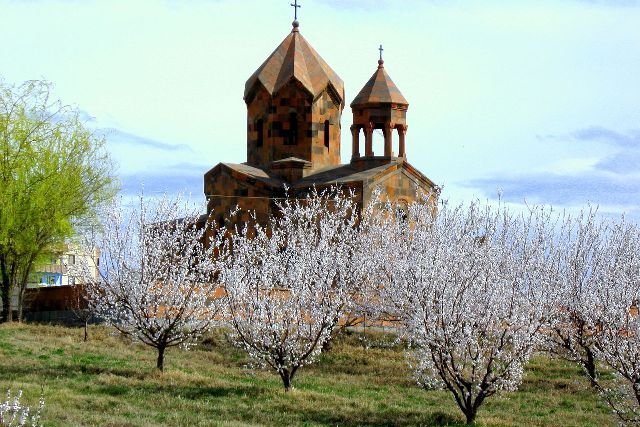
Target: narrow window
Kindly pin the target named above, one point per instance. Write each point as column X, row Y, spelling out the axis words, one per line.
column 292, row 136
column 401, row 212
column 326, row 134
column 260, row 129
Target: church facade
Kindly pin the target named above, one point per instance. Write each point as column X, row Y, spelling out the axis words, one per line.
column 294, row 109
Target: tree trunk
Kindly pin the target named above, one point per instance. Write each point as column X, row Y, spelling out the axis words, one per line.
column 286, row 379
column 23, row 281
column 6, row 303
column 86, row 329
column 470, row 414
column 5, row 290
column 160, row 362
column 470, row 406
column 590, row 366
column 636, row 391
column 21, row 292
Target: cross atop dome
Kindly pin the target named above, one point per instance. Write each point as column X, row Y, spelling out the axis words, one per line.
column 380, row 61
column 295, row 7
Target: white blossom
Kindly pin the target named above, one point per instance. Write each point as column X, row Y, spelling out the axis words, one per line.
column 15, row 414
column 154, row 275
column 468, row 284
column 288, row 283
column 582, row 256
column 614, row 312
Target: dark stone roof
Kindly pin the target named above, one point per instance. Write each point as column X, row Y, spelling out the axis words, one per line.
column 343, row 174
column 380, row 89
column 241, row 170
column 338, row 174
column 295, row 59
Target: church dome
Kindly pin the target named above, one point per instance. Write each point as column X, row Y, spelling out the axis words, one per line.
column 295, row 59
column 380, row 89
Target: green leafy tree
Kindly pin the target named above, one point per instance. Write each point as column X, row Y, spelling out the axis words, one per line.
column 54, row 175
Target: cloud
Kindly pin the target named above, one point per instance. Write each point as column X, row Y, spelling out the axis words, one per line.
column 612, row 180
column 623, row 163
column 561, row 190
column 182, row 178
column 118, row 136
column 625, row 158
column 596, row 133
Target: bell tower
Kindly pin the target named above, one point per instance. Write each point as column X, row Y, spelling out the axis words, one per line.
column 379, row 105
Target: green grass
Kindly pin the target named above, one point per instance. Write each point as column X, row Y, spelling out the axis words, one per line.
column 110, row 382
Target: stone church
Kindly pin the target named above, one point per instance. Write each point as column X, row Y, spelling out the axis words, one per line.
column 294, row 109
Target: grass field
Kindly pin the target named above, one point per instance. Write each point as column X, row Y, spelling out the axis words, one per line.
column 110, row 382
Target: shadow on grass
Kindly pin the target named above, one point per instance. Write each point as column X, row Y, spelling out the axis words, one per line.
column 391, row 418
column 202, row 392
column 69, row 371
column 74, row 372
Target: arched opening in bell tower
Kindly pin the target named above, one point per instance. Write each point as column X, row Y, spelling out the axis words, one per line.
column 378, row 141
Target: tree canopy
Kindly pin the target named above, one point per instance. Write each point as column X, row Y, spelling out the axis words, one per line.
column 54, row 174
column 154, row 272
column 287, row 284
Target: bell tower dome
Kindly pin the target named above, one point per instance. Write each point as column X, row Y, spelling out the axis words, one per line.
column 294, row 106
column 379, row 105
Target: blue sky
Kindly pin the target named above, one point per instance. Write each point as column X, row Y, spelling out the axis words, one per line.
column 539, row 100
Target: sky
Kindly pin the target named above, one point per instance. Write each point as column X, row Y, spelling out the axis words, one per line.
column 535, row 102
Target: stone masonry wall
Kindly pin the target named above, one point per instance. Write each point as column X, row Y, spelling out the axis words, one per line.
column 280, row 138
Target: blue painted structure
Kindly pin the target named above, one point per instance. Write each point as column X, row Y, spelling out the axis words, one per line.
column 51, row 279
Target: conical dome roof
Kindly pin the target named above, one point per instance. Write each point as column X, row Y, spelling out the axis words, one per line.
column 380, row 89
column 295, row 58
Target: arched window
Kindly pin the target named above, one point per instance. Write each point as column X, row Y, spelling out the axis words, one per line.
column 260, row 129
column 292, row 137
column 326, row 133
column 402, row 211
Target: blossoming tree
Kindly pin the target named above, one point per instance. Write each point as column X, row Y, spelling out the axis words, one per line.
column 616, row 316
column 469, row 285
column 289, row 283
column 154, row 274
column 581, row 251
